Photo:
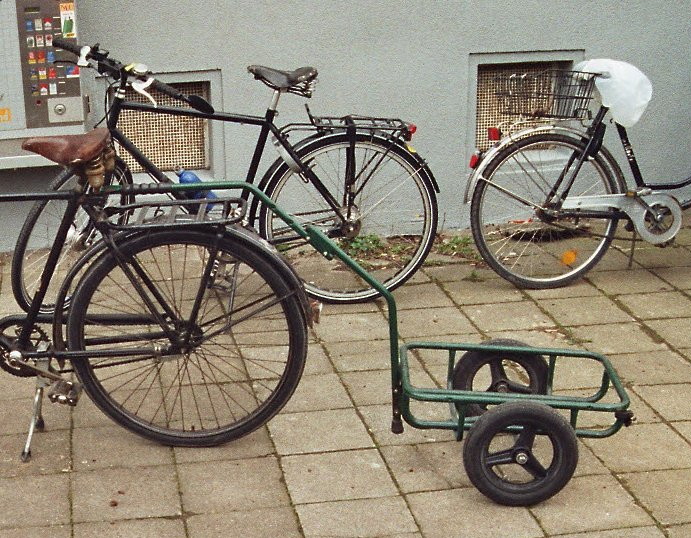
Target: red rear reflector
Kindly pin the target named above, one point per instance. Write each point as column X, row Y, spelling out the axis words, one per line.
column 493, row 133
column 474, row 160
column 412, row 128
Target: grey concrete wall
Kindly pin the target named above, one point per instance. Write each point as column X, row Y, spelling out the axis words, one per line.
column 415, row 60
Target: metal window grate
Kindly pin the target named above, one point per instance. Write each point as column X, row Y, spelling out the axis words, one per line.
column 490, row 108
column 167, row 140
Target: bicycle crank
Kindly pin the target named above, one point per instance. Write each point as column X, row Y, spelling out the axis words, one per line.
column 655, row 216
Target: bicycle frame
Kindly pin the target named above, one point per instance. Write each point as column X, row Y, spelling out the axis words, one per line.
column 265, row 123
column 138, row 278
column 638, row 176
column 266, row 127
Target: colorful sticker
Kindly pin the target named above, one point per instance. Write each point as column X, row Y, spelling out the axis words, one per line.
column 30, row 42
column 52, row 73
column 50, row 56
column 48, row 24
column 43, row 89
column 42, row 75
column 29, row 26
column 53, row 88
column 5, row 115
column 49, row 40
column 72, row 71
column 38, row 24
column 41, row 56
column 33, row 74
column 32, row 57
column 39, row 40
column 67, row 21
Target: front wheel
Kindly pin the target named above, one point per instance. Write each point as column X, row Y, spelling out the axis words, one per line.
column 192, row 380
column 390, row 215
column 516, row 230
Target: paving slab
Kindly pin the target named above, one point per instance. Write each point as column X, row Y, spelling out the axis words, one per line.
column 386, row 516
column 465, row 512
column 665, row 494
column 319, row 431
column 125, row 493
column 335, row 476
column 259, row 523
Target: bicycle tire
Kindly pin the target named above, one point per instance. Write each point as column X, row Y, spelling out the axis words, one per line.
column 37, row 235
column 520, row 245
column 394, row 220
column 523, row 474
column 243, row 362
column 495, row 371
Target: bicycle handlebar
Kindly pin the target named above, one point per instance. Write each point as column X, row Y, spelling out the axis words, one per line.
column 61, row 43
column 117, row 69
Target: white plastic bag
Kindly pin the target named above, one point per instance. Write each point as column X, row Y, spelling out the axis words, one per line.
column 624, row 88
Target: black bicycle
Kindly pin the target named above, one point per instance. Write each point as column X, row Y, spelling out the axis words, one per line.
column 355, row 177
column 190, row 331
column 546, row 200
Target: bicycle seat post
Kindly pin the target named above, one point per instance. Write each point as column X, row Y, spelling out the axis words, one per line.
column 273, row 106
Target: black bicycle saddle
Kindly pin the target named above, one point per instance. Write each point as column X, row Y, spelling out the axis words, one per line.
column 280, row 80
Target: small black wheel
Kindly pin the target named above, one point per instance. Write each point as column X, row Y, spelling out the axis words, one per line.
column 520, row 453
column 497, row 371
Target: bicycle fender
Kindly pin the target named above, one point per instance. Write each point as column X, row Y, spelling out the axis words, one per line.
column 303, row 145
column 476, row 174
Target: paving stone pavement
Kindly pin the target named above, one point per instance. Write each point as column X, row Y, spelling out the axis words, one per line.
column 328, row 465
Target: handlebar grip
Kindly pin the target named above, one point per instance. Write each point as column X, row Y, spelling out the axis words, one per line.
column 61, row 43
column 168, row 90
column 194, row 101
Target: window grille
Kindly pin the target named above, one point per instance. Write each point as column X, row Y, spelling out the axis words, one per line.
column 168, row 141
column 489, row 106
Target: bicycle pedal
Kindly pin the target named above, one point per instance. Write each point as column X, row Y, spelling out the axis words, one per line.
column 64, row 392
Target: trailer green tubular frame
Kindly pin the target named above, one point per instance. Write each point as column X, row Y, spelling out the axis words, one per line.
column 403, row 391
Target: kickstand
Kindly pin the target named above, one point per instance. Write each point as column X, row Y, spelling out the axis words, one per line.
column 37, row 422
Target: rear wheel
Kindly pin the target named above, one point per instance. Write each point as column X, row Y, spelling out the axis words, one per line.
column 520, row 238
column 195, row 382
column 497, row 371
column 390, row 222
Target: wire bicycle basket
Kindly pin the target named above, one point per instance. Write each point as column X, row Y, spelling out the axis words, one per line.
column 549, row 94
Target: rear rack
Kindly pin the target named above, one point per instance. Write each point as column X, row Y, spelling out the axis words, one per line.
column 178, row 213
column 394, row 126
column 359, row 122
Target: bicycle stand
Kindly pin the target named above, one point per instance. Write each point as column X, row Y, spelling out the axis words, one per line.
column 37, row 422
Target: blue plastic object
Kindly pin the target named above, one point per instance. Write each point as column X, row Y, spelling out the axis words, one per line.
column 186, row 177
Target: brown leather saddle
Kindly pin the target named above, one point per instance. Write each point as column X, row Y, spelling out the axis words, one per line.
column 70, row 149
